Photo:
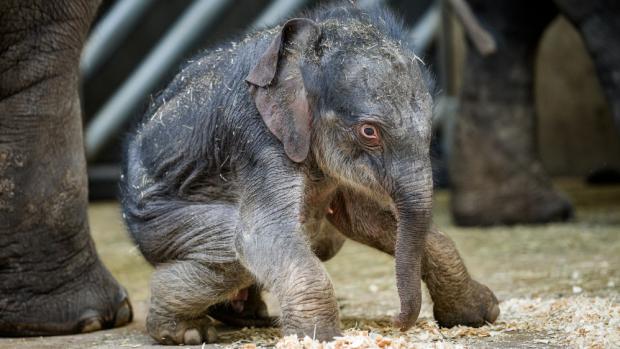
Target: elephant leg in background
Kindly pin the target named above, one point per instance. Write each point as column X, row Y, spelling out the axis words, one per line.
column 598, row 21
column 51, row 279
column 458, row 298
column 496, row 174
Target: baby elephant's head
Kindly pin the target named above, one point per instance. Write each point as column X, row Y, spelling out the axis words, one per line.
column 355, row 102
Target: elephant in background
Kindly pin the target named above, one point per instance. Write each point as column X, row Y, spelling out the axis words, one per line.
column 496, row 173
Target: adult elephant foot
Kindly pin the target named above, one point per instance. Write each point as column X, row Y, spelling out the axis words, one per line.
column 496, row 175
column 51, row 280
column 91, row 301
column 492, row 185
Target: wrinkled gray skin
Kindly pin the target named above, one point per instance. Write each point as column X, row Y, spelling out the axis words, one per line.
column 51, row 280
column 496, row 173
column 253, row 166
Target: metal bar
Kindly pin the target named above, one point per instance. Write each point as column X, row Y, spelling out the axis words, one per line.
column 426, row 29
column 107, row 35
column 482, row 39
column 448, row 104
column 365, row 4
column 446, row 49
column 276, row 12
column 193, row 22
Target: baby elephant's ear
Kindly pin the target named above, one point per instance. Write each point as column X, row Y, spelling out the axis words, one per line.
column 278, row 88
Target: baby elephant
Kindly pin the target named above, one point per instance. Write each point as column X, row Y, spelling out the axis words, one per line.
column 260, row 158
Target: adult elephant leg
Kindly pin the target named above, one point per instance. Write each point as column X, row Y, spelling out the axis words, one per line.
column 496, row 174
column 51, row 280
column 599, row 24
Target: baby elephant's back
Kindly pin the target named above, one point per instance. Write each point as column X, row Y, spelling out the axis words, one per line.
column 199, row 115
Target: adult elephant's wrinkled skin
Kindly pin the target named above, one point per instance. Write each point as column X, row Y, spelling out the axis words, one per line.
column 261, row 156
column 51, row 280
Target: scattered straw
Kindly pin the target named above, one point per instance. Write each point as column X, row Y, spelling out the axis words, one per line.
column 575, row 321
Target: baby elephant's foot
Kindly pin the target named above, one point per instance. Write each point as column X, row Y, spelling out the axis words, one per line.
column 474, row 307
column 171, row 331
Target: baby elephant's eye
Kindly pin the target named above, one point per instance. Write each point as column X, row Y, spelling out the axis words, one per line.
column 369, row 134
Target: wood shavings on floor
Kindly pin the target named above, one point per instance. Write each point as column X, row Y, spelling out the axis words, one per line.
column 576, row 321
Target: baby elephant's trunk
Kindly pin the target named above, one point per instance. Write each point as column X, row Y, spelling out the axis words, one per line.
column 413, row 199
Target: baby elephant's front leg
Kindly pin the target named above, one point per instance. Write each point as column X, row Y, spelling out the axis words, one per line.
column 286, row 266
column 271, row 245
column 458, row 299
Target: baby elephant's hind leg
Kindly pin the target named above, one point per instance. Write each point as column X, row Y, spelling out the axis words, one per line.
column 197, row 267
column 181, row 295
column 458, row 299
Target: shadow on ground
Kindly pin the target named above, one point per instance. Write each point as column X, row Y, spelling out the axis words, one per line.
column 558, row 283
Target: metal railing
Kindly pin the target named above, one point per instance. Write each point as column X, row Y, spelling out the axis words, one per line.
column 194, row 21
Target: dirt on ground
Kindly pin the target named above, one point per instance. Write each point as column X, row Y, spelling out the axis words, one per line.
column 558, row 285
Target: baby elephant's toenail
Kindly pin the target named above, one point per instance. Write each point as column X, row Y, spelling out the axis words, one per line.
column 165, row 338
column 493, row 313
column 192, row 337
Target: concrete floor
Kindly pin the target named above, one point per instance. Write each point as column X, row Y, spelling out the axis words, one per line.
column 558, row 284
